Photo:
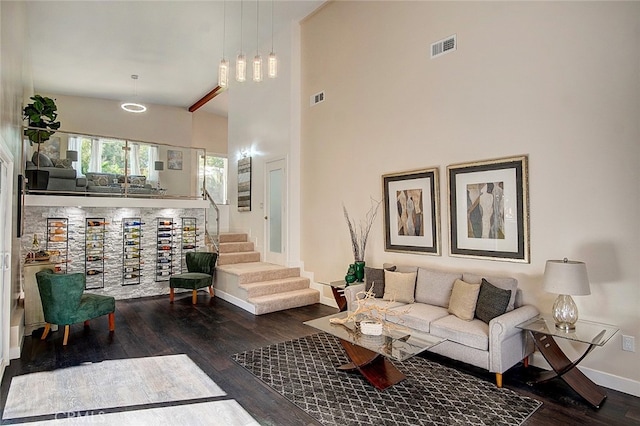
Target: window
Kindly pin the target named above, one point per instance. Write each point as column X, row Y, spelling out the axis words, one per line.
column 107, row 156
column 215, row 171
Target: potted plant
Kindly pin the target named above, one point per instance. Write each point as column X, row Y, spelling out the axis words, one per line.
column 41, row 115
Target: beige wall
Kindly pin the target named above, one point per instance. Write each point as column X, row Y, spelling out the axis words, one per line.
column 559, row 82
column 210, row 131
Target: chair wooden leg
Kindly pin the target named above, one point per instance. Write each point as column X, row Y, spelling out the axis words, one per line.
column 525, row 361
column 47, row 327
column 171, row 295
column 86, row 323
column 499, row 380
column 211, row 290
column 66, row 335
column 194, row 297
column 112, row 321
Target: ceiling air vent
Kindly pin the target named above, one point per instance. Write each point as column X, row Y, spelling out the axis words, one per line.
column 443, row 46
column 317, row 98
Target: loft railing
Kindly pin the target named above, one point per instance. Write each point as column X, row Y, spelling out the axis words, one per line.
column 212, row 222
column 83, row 164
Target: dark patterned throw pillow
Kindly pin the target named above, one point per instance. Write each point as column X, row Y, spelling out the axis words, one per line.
column 374, row 277
column 492, row 301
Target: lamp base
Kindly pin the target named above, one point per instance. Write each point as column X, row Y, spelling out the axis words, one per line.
column 565, row 326
column 565, row 313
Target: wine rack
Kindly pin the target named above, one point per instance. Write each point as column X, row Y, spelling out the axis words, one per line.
column 94, row 252
column 57, row 244
column 189, row 240
column 131, row 246
column 164, row 252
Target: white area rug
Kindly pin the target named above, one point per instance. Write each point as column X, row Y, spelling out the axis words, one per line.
column 108, row 384
column 223, row 413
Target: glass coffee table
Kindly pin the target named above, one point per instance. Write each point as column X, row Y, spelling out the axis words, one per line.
column 371, row 355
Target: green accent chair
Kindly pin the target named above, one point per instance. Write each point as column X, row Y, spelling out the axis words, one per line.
column 201, row 266
column 64, row 302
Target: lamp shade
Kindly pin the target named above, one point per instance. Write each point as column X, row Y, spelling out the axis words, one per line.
column 158, row 165
column 566, row 277
column 72, row 155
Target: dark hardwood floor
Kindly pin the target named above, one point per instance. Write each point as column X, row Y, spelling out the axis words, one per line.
column 213, row 330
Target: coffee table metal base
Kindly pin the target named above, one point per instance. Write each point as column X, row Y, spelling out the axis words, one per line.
column 377, row 369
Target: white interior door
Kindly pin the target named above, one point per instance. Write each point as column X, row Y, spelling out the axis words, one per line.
column 276, row 211
column 6, row 191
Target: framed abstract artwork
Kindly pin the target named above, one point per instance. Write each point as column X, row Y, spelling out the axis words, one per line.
column 244, row 184
column 174, row 159
column 489, row 209
column 411, row 211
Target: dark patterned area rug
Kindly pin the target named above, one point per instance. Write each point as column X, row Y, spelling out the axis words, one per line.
column 304, row 372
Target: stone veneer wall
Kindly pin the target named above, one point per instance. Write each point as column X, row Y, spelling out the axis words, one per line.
column 35, row 222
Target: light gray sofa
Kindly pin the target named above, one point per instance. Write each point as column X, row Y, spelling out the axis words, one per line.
column 495, row 346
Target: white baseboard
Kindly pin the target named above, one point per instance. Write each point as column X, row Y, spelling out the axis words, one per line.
column 607, row 380
column 236, row 301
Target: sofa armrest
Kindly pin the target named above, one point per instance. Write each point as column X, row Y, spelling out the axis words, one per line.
column 350, row 293
column 504, row 326
column 509, row 345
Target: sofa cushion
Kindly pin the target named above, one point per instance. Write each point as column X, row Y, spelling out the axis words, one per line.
column 374, row 277
column 399, row 286
column 100, row 179
column 434, row 287
column 506, row 283
column 492, row 301
column 463, row 300
column 61, row 163
column 39, row 159
column 473, row 333
column 417, row 315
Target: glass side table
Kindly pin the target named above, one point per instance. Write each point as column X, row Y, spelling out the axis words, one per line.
column 337, row 288
column 544, row 332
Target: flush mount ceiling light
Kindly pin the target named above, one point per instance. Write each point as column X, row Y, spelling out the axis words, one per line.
column 133, row 106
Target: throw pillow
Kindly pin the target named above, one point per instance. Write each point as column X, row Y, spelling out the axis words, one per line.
column 464, row 297
column 505, row 283
column 137, row 180
column 374, row 277
column 41, row 160
column 399, row 286
column 61, row 163
column 492, row 301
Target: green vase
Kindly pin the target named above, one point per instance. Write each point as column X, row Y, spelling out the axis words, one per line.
column 359, row 271
column 350, row 278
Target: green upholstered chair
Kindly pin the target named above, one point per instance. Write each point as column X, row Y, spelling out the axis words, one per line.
column 64, row 302
column 201, row 266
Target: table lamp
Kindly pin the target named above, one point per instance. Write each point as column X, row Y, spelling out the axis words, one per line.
column 566, row 278
column 72, row 155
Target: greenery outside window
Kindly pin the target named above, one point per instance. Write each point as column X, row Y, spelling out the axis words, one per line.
column 216, row 169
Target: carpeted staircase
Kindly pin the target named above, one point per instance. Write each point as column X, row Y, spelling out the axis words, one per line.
column 258, row 287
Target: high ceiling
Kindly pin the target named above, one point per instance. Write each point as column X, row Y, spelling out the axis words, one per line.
column 91, row 48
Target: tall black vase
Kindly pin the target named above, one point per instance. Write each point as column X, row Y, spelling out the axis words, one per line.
column 359, row 271
column 37, row 179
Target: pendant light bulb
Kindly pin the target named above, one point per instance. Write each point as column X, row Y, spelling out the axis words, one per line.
column 223, row 73
column 241, row 68
column 273, row 65
column 257, row 68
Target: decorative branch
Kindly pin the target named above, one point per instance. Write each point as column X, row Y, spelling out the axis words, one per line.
column 360, row 234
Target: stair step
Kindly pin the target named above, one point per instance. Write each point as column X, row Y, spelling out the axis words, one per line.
column 287, row 300
column 264, row 288
column 229, row 237
column 236, row 247
column 242, row 257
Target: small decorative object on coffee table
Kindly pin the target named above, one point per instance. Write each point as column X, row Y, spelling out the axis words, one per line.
column 544, row 331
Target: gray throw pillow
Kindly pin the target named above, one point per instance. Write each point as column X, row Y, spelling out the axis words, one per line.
column 39, row 159
column 374, row 277
column 492, row 301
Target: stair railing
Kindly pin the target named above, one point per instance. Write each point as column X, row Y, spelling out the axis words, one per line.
column 213, row 234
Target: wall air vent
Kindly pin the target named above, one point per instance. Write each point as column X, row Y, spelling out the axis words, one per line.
column 441, row 47
column 317, row 98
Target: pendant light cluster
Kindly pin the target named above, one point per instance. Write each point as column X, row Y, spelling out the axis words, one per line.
column 241, row 59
